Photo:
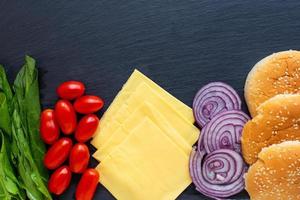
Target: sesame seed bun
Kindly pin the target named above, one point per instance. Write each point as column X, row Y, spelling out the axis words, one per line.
column 278, row 73
column 277, row 120
column 276, row 173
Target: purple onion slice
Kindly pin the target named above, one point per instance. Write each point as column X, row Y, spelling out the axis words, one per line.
column 224, row 131
column 214, row 98
column 218, row 174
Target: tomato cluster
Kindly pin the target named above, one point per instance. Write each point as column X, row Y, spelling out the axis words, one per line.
column 64, row 118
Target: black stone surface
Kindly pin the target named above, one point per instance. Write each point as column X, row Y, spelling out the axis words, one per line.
column 181, row 45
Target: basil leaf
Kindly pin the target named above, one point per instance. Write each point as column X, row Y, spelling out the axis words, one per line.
column 27, row 94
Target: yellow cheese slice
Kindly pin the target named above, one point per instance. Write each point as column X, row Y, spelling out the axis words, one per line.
column 147, row 165
column 145, row 93
column 130, row 86
column 173, row 126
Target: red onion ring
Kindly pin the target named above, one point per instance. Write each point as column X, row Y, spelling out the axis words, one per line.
column 218, row 174
column 214, row 98
column 224, row 131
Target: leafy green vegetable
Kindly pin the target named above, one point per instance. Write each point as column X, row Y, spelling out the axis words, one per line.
column 19, row 118
column 10, row 188
column 9, row 185
column 5, row 121
column 28, row 172
column 27, row 94
column 4, row 85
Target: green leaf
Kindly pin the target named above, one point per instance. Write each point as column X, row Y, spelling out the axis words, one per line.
column 26, row 166
column 4, row 84
column 19, row 117
column 5, row 87
column 3, row 193
column 27, row 93
column 5, row 121
column 10, row 187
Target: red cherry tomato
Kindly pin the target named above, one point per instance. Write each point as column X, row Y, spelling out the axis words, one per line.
column 86, row 127
column 88, row 104
column 87, row 185
column 65, row 116
column 48, row 127
column 70, row 90
column 60, row 180
column 79, row 158
column 58, row 153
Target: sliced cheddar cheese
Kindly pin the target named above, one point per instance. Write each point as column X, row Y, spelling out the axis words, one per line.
column 108, row 120
column 146, row 165
column 145, row 93
column 173, row 126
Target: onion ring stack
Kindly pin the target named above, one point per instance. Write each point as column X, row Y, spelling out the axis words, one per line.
column 217, row 167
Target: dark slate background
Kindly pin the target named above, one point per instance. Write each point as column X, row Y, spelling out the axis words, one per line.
column 180, row 44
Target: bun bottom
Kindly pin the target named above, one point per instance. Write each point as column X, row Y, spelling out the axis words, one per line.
column 276, row 174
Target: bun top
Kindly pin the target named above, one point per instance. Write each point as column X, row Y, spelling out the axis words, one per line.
column 278, row 73
column 278, row 120
column 276, row 174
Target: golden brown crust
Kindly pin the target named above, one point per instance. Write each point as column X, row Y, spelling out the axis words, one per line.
column 278, row 73
column 276, row 174
column 278, row 120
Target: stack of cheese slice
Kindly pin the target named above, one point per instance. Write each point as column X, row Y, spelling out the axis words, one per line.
column 144, row 142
